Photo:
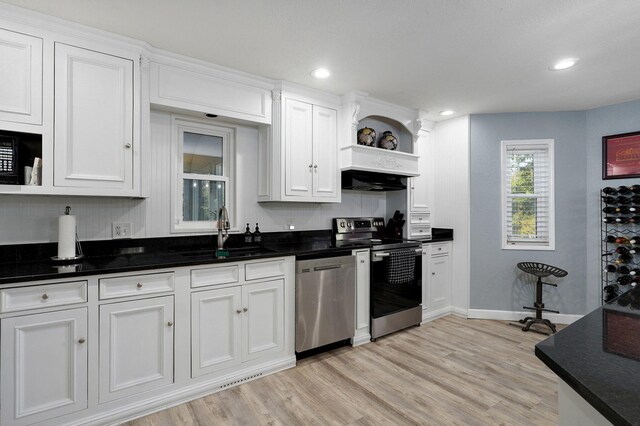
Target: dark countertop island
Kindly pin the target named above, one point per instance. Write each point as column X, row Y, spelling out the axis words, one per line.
column 607, row 381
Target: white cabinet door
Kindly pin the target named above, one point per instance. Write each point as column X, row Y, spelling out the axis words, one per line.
column 136, row 347
column 419, row 185
column 93, row 132
column 263, row 319
column 298, row 148
column 325, row 155
column 43, row 366
column 215, row 330
column 20, row 78
column 440, row 285
column 362, row 294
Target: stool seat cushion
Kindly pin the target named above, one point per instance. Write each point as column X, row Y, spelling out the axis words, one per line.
column 541, row 269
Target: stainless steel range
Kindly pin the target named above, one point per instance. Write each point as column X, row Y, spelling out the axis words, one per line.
column 396, row 273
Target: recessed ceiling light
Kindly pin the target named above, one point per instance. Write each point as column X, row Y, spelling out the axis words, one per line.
column 321, row 73
column 564, row 64
column 447, row 112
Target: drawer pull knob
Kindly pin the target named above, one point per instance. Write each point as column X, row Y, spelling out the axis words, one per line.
column 362, row 261
column 245, row 309
column 45, row 296
column 127, row 145
column 238, row 311
column 433, row 273
column 139, row 285
column 81, row 341
column 310, row 165
column 170, row 323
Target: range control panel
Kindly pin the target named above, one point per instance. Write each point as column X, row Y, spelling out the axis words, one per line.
column 358, row 225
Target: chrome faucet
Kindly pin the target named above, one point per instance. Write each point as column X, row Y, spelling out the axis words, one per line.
column 223, row 224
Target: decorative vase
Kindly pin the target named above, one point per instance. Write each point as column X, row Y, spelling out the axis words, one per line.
column 388, row 141
column 366, row 136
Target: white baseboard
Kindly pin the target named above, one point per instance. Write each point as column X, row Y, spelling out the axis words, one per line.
column 460, row 312
column 360, row 339
column 430, row 315
column 514, row 316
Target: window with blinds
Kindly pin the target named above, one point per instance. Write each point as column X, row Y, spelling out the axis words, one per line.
column 527, row 195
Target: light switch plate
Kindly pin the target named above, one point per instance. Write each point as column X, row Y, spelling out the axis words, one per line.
column 120, row 230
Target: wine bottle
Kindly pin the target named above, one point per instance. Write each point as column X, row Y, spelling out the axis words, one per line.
column 622, row 250
column 610, row 239
column 610, row 288
column 635, row 271
column 626, row 200
column 634, row 219
column 623, row 219
column 624, row 280
column 624, row 270
column 257, row 235
column 623, row 209
column 609, row 190
column 610, row 210
column 635, row 279
column 611, row 268
column 635, row 239
column 609, row 200
column 609, row 219
column 248, row 238
column 635, row 199
column 622, row 240
column 622, row 190
column 624, row 258
column 635, row 189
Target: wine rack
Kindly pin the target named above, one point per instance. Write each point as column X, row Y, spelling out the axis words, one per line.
column 620, row 219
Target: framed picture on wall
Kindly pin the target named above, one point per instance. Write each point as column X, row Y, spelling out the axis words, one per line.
column 621, row 156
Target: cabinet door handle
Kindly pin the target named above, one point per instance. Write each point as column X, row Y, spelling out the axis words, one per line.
column 45, row 296
column 310, row 165
column 238, row 311
column 433, row 273
column 315, row 167
column 81, row 341
column 127, row 145
column 139, row 285
column 362, row 261
column 170, row 323
column 245, row 309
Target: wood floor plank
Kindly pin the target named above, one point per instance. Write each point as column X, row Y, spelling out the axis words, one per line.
column 451, row 371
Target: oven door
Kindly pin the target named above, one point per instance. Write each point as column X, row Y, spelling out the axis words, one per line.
column 387, row 296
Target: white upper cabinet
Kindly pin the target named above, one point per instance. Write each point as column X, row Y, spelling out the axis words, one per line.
column 419, row 184
column 299, row 153
column 20, row 78
column 93, row 135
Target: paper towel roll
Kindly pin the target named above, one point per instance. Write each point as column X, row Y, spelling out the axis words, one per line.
column 66, row 236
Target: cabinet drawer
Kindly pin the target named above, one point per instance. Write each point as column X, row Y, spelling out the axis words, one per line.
column 134, row 285
column 213, row 276
column 42, row 296
column 420, row 218
column 272, row 268
column 437, row 249
column 420, row 231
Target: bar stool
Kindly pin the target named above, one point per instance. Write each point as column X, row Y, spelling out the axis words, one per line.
column 540, row 270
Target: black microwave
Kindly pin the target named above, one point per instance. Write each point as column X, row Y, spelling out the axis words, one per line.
column 9, row 160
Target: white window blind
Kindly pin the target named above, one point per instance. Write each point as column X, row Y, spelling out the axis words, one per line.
column 527, row 183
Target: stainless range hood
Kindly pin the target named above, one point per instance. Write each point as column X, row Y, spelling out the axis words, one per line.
column 358, row 180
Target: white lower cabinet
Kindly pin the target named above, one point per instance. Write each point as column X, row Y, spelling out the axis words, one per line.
column 436, row 280
column 43, row 366
column 440, row 285
column 236, row 324
column 363, row 334
column 136, row 347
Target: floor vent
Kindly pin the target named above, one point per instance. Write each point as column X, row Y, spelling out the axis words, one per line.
column 235, row 382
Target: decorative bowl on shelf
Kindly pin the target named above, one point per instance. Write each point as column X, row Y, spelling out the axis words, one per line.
column 366, row 136
column 388, row 141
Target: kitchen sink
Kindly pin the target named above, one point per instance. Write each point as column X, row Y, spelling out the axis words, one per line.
column 233, row 252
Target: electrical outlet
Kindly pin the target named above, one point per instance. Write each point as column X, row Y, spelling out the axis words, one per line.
column 120, row 230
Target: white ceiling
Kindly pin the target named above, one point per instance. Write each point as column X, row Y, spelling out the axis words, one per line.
column 469, row 55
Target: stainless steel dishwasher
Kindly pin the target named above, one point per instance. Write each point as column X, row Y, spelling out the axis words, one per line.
column 325, row 301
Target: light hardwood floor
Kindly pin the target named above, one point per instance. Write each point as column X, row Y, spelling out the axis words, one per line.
column 451, row 371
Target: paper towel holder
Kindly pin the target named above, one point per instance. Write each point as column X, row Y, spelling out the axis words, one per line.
column 79, row 255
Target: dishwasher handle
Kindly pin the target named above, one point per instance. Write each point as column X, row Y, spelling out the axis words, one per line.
column 324, row 268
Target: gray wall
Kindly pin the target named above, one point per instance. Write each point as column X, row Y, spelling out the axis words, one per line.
column 611, row 120
column 496, row 283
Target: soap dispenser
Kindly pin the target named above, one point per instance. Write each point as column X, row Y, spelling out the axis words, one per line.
column 257, row 236
column 248, row 238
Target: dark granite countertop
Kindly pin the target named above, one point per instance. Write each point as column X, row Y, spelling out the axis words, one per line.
column 31, row 262
column 609, row 382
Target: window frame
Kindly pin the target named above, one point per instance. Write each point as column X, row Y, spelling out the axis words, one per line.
column 179, row 126
column 524, row 145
